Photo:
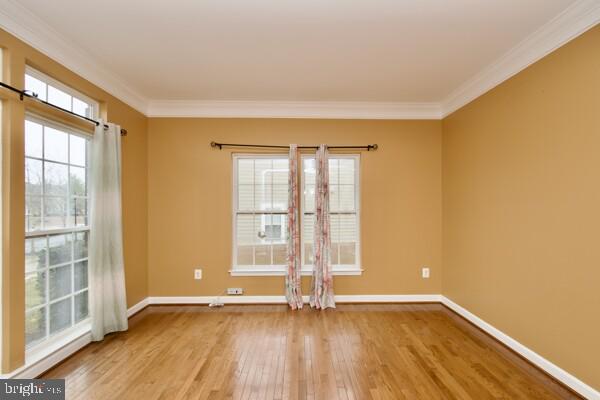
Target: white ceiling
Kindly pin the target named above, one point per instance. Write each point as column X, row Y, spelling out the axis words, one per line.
column 366, row 51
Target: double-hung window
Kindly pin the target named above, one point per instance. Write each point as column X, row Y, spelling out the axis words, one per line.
column 260, row 212
column 343, row 212
column 57, row 171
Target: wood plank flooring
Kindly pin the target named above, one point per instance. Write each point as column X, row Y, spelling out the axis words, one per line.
column 356, row 352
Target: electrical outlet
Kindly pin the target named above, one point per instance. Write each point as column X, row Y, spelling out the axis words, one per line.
column 197, row 274
column 425, row 272
column 235, row 291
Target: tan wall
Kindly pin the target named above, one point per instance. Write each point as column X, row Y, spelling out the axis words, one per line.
column 521, row 184
column 16, row 55
column 190, row 202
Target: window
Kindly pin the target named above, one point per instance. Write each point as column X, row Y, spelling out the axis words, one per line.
column 260, row 212
column 57, row 228
column 343, row 210
column 56, row 93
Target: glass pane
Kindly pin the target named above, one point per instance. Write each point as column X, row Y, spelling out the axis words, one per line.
column 280, row 197
column 280, row 254
column 78, row 150
column 56, row 145
column 81, row 108
column 262, row 197
column 308, row 238
column 334, row 168
column 56, row 178
column 33, row 213
column 35, row 254
column 60, row 248
column 78, row 181
column 81, row 245
column 334, row 198
column 309, row 171
column 334, row 254
column 60, row 282
column 309, row 198
column 281, row 169
column 36, row 86
column 347, row 228
column 81, row 306
column 347, row 253
column 245, row 173
column 78, row 216
column 33, row 139
column 35, row 325
column 335, row 237
column 33, row 176
column 55, row 212
column 245, row 229
column 245, row 197
column 308, row 254
column 262, row 254
column 81, row 275
column 33, row 223
column 263, row 172
column 35, row 289
column 346, row 171
column 346, row 197
column 60, row 315
column 244, row 254
column 59, row 98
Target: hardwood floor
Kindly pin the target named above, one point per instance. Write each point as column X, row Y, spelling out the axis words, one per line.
column 362, row 352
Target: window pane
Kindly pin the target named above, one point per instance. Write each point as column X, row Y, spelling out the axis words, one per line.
column 280, row 197
column 79, row 213
column 309, row 198
column 346, row 172
column 33, row 139
column 245, row 173
column 347, row 197
column 347, row 253
column 81, row 108
column 245, row 197
column 56, row 145
column 348, row 237
column 81, row 245
column 60, row 315
column 33, row 213
column 35, row 289
column 334, row 198
column 59, row 98
column 334, row 254
column 262, row 254
column 334, row 168
column 35, row 325
column 56, row 178
column 60, row 282
column 245, row 230
column 78, row 150
column 81, row 306
column 262, row 197
column 78, row 181
column 244, row 254
column 308, row 238
column 35, row 254
column 36, row 86
column 309, row 171
column 55, row 212
column 263, row 172
column 81, row 275
column 281, row 168
column 33, row 176
column 262, row 248
column 60, row 248
column 280, row 254
column 335, row 237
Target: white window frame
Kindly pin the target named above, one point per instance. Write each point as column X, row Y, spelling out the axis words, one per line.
column 38, row 349
column 306, row 270
column 251, row 270
column 94, row 105
column 337, row 269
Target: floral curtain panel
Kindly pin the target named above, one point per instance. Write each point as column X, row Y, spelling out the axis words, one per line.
column 293, row 283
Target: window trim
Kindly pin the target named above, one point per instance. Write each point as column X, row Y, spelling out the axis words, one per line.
column 48, row 80
column 278, row 270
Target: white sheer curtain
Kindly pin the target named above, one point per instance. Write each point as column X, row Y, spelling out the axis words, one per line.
column 108, row 306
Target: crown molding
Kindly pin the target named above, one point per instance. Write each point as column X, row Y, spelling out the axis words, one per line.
column 572, row 22
column 293, row 109
column 22, row 23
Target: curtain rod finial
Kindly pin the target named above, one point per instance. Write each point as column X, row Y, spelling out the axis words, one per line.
column 215, row 144
column 374, row 146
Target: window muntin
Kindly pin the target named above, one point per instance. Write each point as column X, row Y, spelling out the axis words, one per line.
column 54, row 92
column 260, row 211
column 343, row 210
column 56, row 227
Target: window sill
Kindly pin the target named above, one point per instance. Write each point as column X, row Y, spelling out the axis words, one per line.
column 282, row 272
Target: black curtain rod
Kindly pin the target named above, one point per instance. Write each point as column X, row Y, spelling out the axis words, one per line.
column 368, row 147
column 23, row 93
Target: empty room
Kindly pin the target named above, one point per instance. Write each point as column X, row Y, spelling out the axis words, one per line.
column 318, row 199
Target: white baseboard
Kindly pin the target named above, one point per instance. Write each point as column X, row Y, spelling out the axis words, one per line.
column 385, row 298
column 61, row 350
column 555, row 371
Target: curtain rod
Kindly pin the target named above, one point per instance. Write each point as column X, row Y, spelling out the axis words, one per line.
column 368, row 147
column 34, row 96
